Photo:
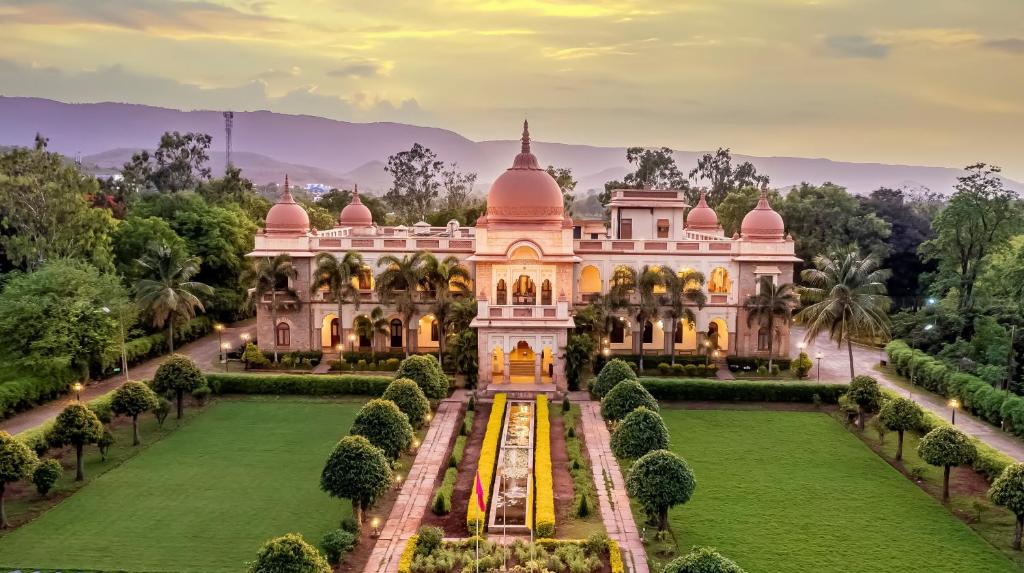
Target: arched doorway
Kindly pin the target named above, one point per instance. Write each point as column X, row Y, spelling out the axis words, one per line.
column 521, row 363
column 524, row 291
column 395, row 328
column 335, row 332
column 718, row 335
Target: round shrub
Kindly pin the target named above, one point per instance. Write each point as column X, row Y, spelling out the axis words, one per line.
column 385, row 426
column 801, row 366
column 762, row 370
column 406, row 394
column 289, row 554
column 177, row 375
column 864, row 390
column 625, row 397
column 946, row 447
column 46, row 475
column 678, row 369
column 900, row 415
column 336, row 543
column 658, row 481
column 76, row 425
column 426, row 371
column 664, row 368
column 16, row 463
column 358, row 471
column 614, row 371
column 131, row 399
column 1008, row 491
column 703, row 560
column 429, row 538
column 639, row 432
column 691, row 369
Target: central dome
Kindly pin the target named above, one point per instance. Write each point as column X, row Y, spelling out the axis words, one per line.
column 525, row 193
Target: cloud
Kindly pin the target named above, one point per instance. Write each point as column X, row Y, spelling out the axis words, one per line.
column 1008, row 45
column 855, row 46
column 359, row 68
column 276, row 74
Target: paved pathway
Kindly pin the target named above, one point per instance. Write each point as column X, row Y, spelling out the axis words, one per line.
column 415, row 497
column 611, row 489
column 203, row 351
column 835, row 367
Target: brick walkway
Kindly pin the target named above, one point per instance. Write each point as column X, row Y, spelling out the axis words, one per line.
column 615, row 511
column 418, row 488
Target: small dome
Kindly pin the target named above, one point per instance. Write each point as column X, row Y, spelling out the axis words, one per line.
column 525, row 193
column 702, row 217
column 355, row 214
column 287, row 216
column 763, row 222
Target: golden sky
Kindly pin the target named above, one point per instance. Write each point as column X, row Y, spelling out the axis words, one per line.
column 934, row 82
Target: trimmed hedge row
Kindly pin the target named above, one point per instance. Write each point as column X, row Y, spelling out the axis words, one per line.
column 724, row 391
column 751, row 363
column 998, row 407
column 442, row 504
column 690, row 370
column 405, row 561
column 303, row 384
column 544, row 513
column 485, row 467
column 24, row 392
column 615, row 557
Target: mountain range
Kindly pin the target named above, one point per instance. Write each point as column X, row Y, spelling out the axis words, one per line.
column 266, row 145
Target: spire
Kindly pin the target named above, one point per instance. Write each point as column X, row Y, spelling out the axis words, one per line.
column 525, row 159
column 762, row 203
column 703, row 198
column 526, row 137
column 287, row 196
column 355, row 195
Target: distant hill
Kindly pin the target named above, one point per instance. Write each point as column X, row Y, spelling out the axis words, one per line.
column 314, row 149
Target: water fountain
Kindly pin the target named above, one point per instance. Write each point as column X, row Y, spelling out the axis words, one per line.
column 513, row 480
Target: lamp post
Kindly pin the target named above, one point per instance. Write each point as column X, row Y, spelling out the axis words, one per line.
column 707, row 352
column 124, row 356
column 375, row 524
column 818, row 356
column 224, row 347
column 953, row 405
column 220, row 340
column 398, row 481
column 78, row 391
column 352, row 342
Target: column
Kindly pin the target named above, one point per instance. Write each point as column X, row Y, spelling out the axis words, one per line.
column 536, row 366
column 506, row 374
column 669, row 335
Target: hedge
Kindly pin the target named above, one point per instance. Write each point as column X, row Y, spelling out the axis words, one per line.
column 650, row 360
column 442, row 504
column 615, row 557
column 26, row 391
column 304, row 384
column 405, row 561
column 485, row 467
column 725, row 391
column 543, row 484
column 751, row 363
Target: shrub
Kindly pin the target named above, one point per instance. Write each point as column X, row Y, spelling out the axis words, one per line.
column 475, row 518
column 104, row 443
column 864, row 392
column 762, row 370
column 947, row 447
column 583, row 507
column 289, row 554
column 426, row 371
column 900, row 414
column 162, row 409
column 639, row 432
column 1008, row 491
column 16, row 463
column 405, row 561
column 702, row 560
column 299, row 384
column 381, row 422
column 133, row 399
column 76, row 425
column 665, row 368
column 254, row 358
column 745, row 391
column 624, row 398
column 177, row 375
column 442, row 504
column 201, row 394
column 679, row 369
column 349, row 524
column 802, row 366
column 336, row 543
column 358, row 471
column 658, row 481
column 456, row 458
column 615, row 557
column 428, row 538
column 614, row 371
column 406, row 394
column 775, row 371
column 46, row 474
column 544, row 481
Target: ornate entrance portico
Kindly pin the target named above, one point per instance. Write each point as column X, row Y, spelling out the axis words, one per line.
column 521, row 358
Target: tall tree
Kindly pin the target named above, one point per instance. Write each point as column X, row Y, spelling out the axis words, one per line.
column 168, row 293
column 683, row 291
column 446, row 280
column 848, row 299
column 458, row 187
column 272, row 276
column 647, row 282
column 717, row 169
column 909, row 228
column 76, row 425
column 567, row 183
column 773, row 302
column 415, row 182
column 981, row 215
column 652, row 169
column 179, row 163
column 397, row 284
column 16, row 463
column 825, row 217
column 339, row 276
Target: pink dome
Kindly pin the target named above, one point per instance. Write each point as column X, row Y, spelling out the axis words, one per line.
column 525, row 193
column 355, row 214
column 702, row 217
column 763, row 222
column 287, row 216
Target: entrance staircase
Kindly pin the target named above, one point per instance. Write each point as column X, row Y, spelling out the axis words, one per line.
column 521, row 368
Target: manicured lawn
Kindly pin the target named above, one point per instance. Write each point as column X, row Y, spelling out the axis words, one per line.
column 796, row 492
column 203, row 499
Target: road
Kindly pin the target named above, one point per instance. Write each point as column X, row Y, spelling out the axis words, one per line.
column 203, row 351
column 835, row 367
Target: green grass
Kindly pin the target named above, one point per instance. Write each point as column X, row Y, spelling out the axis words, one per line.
column 204, row 498
column 796, row 492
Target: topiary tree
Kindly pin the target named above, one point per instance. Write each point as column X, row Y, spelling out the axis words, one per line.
column 613, row 372
column 77, row 426
column 46, row 474
column 162, row 409
column 406, row 394
column 947, row 447
column 801, row 366
column 1008, row 491
column 639, row 432
column 901, row 415
column 358, row 471
column 16, row 463
column 253, row 357
column 132, row 399
column 381, row 422
column 864, row 391
column 625, row 397
column 426, row 371
column 703, row 560
column 660, row 480
column 289, row 554
column 178, row 374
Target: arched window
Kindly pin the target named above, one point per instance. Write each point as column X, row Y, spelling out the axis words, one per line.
column 284, row 334
column 434, row 333
column 545, row 292
column 502, row 292
column 618, row 333
column 524, row 291
column 719, row 282
column 590, row 280
column 677, row 333
column 648, row 332
column 396, row 333
column 762, row 338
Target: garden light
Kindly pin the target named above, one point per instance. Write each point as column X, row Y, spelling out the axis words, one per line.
column 954, row 404
column 78, row 391
column 375, row 524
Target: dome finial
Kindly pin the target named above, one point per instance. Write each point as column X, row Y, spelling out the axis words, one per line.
column 526, row 136
column 286, row 197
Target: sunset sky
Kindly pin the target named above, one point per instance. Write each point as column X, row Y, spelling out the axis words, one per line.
column 934, row 82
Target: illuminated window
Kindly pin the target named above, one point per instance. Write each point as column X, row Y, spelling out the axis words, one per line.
column 719, row 282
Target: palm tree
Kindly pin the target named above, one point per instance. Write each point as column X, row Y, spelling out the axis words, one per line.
column 397, row 283
column 338, row 275
column 462, row 313
column 270, row 276
column 370, row 326
column 682, row 290
column 647, row 306
column 169, row 294
column 446, row 280
column 772, row 302
column 848, row 297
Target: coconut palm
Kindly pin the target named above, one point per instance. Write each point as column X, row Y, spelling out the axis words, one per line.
column 397, row 283
column 848, row 298
column 339, row 276
column 774, row 301
column 370, row 326
column 648, row 303
column 446, row 280
column 270, row 276
column 683, row 290
column 168, row 293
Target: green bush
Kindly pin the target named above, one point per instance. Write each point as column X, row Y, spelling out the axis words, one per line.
column 406, row 394
column 456, row 457
column 26, row 391
column 741, row 391
column 442, row 504
column 658, row 481
column 298, row 384
column 429, row 539
column 336, row 543
column 802, row 366
column 702, row 560
column 254, row 358
column 177, row 375
column 46, row 474
column 426, row 372
column 385, row 426
column 762, row 370
column 289, row 553
column 639, row 432
column 625, row 397
column 614, row 371
column 665, row 368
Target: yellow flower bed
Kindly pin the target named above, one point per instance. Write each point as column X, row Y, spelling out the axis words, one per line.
column 615, row 557
column 405, row 562
column 485, row 465
column 543, row 482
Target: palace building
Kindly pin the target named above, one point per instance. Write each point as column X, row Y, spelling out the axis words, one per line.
column 533, row 268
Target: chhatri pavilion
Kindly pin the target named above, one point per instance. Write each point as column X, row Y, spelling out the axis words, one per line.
column 532, row 268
